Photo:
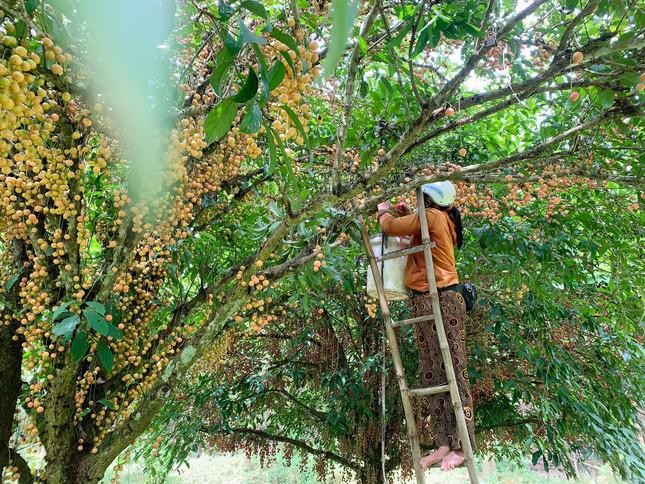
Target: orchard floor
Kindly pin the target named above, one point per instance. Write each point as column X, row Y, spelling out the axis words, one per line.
column 237, row 469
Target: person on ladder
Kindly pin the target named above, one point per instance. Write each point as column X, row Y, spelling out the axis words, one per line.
column 444, row 224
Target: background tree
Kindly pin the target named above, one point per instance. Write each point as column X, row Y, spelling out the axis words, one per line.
column 110, row 298
column 545, row 338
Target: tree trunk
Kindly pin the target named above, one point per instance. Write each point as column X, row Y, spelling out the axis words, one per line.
column 372, row 472
column 60, row 440
column 10, row 367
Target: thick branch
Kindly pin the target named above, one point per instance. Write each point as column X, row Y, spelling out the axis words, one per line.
column 466, row 173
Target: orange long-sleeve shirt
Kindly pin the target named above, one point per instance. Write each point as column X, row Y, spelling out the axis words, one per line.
column 443, row 234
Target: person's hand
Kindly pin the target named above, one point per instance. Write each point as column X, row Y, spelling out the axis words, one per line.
column 402, row 209
column 384, row 206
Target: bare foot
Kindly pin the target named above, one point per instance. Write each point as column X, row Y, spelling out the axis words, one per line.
column 452, row 460
column 434, row 458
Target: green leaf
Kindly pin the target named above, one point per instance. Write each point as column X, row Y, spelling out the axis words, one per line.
column 452, row 31
column 224, row 61
column 66, row 327
column 396, row 41
column 471, row 29
column 606, row 98
column 285, row 39
column 536, row 456
column 58, row 312
column 248, row 37
column 255, row 7
column 263, row 87
column 21, row 29
column 12, row 280
column 106, row 403
column 219, row 120
column 433, row 37
column 96, row 322
column 289, row 60
column 232, row 44
column 422, row 41
column 79, row 345
column 387, row 85
column 96, row 306
column 249, row 89
column 31, row 6
column 105, row 354
column 114, row 332
column 343, row 15
column 225, row 10
column 363, row 88
column 276, row 75
column 296, row 122
column 252, row 119
column 362, row 43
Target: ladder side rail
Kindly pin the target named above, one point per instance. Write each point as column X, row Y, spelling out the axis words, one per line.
column 396, row 356
column 443, row 344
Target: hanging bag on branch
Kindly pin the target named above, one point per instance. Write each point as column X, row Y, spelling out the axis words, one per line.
column 392, row 270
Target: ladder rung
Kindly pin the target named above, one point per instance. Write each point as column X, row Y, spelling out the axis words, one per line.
column 402, row 252
column 422, row 392
column 420, row 319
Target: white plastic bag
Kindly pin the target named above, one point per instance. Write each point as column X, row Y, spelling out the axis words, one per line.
column 393, row 269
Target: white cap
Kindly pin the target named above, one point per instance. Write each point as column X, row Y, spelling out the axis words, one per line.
column 442, row 193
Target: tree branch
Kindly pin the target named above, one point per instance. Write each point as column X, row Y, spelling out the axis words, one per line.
column 453, row 84
column 466, row 172
column 319, row 415
column 568, row 31
column 296, row 443
column 289, row 266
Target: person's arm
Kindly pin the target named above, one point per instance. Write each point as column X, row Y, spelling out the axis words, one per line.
column 408, row 225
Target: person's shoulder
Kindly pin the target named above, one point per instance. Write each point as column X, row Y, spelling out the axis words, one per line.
column 433, row 212
column 436, row 216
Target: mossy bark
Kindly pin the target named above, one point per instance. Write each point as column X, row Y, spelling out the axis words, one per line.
column 10, row 364
column 60, row 439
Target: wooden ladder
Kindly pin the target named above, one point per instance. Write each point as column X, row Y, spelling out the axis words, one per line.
column 406, row 393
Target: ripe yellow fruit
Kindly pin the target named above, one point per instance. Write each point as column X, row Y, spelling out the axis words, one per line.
column 577, row 57
column 640, row 86
column 574, row 96
column 463, row 152
column 9, row 41
column 643, row 76
column 57, row 69
column 450, row 112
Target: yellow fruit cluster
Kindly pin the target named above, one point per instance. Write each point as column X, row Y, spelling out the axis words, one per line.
column 84, row 237
column 293, row 88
